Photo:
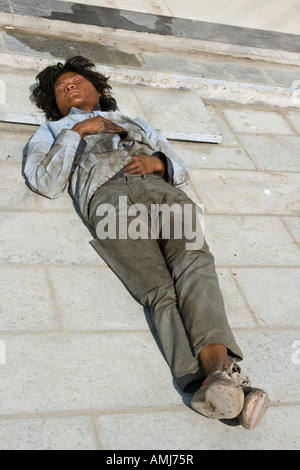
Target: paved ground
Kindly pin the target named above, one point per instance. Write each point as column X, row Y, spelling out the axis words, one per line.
column 79, row 361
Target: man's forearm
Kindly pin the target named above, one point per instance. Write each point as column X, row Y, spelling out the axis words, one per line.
column 48, row 172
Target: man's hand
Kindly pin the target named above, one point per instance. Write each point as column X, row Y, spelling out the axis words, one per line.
column 96, row 125
column 144, row 165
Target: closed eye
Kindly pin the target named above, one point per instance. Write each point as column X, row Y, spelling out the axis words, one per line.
column 59, row 89
column 60, row 86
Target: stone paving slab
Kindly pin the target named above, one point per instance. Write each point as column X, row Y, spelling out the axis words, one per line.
column 229, row 137
column 280, row 153
column 186, row 431
column 12, row 194
column 18, row 89
column 26, row 302
column 88, row 299
column 127, row 100
column 228, row 191
column 45, row 238
column 268, row 360
column 211, row 156
column 293, row 225
column 12, row 145
column 179, row 115
column 257, row 122
column 250, row 240
column 45, row 373
column 272, row 294
column 239, row 313
column 48, row 433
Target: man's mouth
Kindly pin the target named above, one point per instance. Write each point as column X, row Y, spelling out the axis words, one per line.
column 71, row 92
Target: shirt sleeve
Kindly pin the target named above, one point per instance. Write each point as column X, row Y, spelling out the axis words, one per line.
column 49, row 162
column 169, row 170
column 180, row 170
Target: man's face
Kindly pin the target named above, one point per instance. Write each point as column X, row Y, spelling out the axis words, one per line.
column 72, row 89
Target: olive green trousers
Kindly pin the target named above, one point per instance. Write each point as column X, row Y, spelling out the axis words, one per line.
column 178, row 284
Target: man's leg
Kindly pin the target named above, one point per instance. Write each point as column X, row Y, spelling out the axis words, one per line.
column 225, row 393
column 142, row 268
column 214, row 357
column 195, row 279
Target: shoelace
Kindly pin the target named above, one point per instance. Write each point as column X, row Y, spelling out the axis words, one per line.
column 234, row 372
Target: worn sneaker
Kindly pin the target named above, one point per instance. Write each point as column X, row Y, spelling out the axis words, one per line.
column 256, row 400
column 219, row 397
column 255, row 407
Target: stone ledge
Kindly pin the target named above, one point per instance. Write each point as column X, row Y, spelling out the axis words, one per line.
column 205, row 88
column 66, row 29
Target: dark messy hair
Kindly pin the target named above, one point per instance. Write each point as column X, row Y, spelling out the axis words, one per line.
column 43, row 95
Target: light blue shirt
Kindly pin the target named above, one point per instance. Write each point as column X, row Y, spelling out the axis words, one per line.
column 52, row 149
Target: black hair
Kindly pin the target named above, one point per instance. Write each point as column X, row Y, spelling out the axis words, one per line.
column 43, row 95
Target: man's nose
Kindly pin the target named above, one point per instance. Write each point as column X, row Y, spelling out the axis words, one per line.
column 69, row 86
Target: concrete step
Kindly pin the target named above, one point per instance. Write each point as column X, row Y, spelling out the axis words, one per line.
column 131, row 59
column 220, row 26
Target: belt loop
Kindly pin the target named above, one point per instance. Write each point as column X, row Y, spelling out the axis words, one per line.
column 126, row 179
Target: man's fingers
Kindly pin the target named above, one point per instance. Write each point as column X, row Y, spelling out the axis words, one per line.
column 134, row 167
column 140, row 165
column 112, row 128
column 134, row 171
column 108, row 126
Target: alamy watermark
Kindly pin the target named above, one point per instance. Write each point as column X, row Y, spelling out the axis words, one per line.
column 296, row 353
column 159, row 221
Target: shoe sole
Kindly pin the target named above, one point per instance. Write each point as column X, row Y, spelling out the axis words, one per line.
column 223, row 400
column 255, row 407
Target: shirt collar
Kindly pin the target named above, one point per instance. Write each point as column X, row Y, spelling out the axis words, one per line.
column 74, row 110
